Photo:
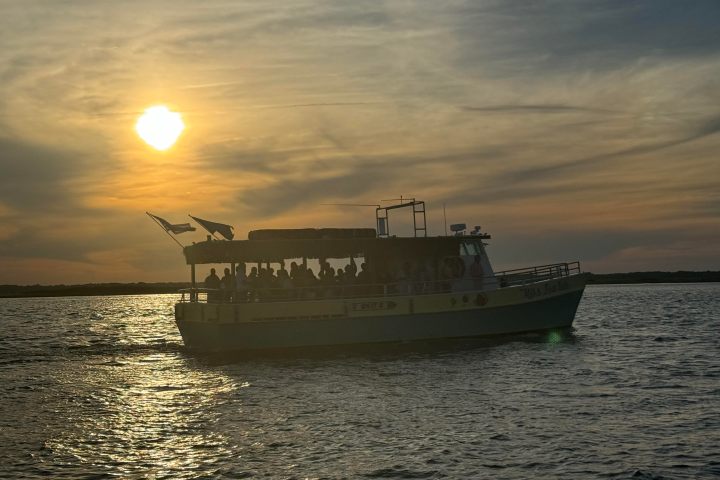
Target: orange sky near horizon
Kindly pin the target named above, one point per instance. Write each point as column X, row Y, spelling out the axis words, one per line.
column 566, row 132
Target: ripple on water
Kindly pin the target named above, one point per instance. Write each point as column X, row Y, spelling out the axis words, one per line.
column 102, row 387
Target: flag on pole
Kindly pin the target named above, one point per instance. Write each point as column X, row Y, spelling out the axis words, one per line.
column 214, row 227
column 176, row 228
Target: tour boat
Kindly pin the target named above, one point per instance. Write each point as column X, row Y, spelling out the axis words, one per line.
column 413, row 288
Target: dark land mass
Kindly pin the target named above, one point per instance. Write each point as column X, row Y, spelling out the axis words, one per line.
column 654, row 277
column 94, row 289
column 90, row 289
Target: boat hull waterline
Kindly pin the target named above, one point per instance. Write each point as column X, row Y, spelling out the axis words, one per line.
column 537, row 306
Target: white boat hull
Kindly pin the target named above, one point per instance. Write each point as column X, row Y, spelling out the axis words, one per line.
column 248, row 326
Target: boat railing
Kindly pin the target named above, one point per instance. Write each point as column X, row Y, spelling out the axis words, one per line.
column 502, row 279
column 524, row 276
column 200, row 294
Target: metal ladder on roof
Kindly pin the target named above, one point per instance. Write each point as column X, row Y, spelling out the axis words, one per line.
column 419, row 217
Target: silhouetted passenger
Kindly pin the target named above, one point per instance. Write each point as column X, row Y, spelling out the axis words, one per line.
column 226, row 285
column 339, row 290
column 328, row 282
column 404, row 284
column 284, row 283
column 241, row 284
column 363, row 275
column 351, row 270
column 421, row 279
column 294, row 273
column 212, row 282
column 324, row 271
column 272, row 280
column 253, row 283
column 363, row 280
column 264, row 284
column 308, row 282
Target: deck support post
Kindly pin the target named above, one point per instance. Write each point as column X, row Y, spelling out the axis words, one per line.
column 234, row 285
column 193, row 293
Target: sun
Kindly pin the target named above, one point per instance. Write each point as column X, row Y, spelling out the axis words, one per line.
column 159, row 127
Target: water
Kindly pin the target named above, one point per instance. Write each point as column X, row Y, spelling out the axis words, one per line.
column 101, row 387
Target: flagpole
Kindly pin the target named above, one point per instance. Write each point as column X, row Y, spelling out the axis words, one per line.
column 201, row 224
column 163, row 228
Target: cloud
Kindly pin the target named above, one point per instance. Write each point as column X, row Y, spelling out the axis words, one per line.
column 573, row 244
column 705, row 129
column 587, row 34
column 289, row 195
column 35, row 178
column 590, row 116
column 325, row 104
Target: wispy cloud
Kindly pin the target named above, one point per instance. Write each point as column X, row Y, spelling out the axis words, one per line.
column 705, row 129
column 534, row 109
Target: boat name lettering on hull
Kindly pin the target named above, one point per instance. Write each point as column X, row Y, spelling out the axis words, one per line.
column 372, row 306
column 547, row 289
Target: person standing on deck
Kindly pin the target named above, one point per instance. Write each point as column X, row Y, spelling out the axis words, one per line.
column 226, row 285
column 241, row 284
column 253, row 283
column 212, row 282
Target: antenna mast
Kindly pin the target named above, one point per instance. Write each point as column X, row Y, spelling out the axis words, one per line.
column 445, row 218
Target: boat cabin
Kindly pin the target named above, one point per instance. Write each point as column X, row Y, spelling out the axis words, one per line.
column 406, row 265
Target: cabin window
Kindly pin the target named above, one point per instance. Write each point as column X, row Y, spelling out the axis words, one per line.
column 469, row 249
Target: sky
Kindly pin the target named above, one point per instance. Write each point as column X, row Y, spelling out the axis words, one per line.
column 570, row 130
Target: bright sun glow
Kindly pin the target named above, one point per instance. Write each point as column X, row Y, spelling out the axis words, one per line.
column 159, row 127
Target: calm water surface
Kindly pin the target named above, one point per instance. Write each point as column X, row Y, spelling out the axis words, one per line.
column 101, row 387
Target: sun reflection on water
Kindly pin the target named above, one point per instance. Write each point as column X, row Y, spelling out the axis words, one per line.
column 141, row 412
column 152, row 413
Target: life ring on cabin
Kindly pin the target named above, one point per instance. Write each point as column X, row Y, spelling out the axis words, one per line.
column 456, row 265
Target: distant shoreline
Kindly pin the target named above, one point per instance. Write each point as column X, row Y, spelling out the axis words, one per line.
column 90, row 290
column 101, row 289
column 653, row 277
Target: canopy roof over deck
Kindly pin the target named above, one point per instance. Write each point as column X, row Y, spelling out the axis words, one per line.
column 277, row 245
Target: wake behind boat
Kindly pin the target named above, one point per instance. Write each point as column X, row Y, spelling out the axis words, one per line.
column 386, row 289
